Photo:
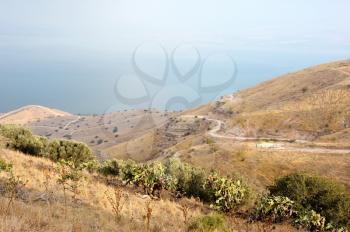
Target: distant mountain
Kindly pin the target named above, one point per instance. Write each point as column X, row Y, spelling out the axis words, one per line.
column 30, row 113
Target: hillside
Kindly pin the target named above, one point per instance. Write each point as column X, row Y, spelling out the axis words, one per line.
column 100, row 132
column 40, row 205
column 293, row 87
column 273, row 128
column 30, row 113
column 58, row 185
column 306, row 105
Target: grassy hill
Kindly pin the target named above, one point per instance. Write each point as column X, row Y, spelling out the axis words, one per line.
column 37, row 202
column 307, row 105
column 311, row 105
column 30, row 113
column 58, row 185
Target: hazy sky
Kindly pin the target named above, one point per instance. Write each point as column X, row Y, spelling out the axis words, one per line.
column 60, row 43
column 107, row 25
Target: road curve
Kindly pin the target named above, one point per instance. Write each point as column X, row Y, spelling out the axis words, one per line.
column 282, row 144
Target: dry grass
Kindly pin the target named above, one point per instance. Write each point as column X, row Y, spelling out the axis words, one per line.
column 29, row 114
column 40, row 206
column 139, row 149
column 261, row 167
column 91, row 211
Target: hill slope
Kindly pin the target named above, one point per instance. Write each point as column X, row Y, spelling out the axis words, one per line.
column 41, row 205
column 303, row 105
column 29, row 114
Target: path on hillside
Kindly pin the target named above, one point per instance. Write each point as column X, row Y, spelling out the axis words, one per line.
column 72, row 122
column 282, row 144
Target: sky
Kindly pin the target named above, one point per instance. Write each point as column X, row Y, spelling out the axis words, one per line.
column 70, row 54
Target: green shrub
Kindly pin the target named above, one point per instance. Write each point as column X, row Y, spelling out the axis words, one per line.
column 275, row 208
column 151, row 177
column 189, row 180
column 23, row 140
column 311, row 220
column 208, row 223
column 110, row 167
column 68, row 150
column 5, row 166
column 227, row 194
column 175, row 176
column 326, row 197
column 91, row 166
column 129, row 171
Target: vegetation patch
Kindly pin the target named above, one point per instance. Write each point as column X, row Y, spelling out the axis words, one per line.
column 23, row 140
column 309, row 192
column 208, row 223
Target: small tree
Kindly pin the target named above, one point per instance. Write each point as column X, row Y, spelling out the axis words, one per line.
column 117, row 200
column 69, row 177
column 13, row 184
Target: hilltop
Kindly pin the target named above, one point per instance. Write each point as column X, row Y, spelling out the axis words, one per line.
column 30, row 113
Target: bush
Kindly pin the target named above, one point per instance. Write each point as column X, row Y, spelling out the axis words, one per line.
column 275, row 208
column 311, row 220
column 151, row 177
column 326, row 197
column 110, row 167
column 23, row 140
column 68, row 150
column 189, row 180
column 215, row 222
column 91, row 165
column 4, row 166
column 129, row 171
column 227, row 194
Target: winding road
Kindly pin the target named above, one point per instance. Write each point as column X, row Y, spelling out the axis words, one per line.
column 282, row 144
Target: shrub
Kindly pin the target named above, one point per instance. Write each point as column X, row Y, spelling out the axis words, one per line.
column 311, row 220
column 152, row 177
column 214, row 222
column 5, row 166
column 110, row 167
column 23, row 140
column 68, row 150
column 189, row 180
column 129, row 171
column 69, row 177
column 227, row 194
column 326, row 197
column 275, row 208
column 91, row 165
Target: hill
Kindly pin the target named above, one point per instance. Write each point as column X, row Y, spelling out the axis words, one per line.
column 40, row 203
column 30, row 113
column 306, row 105
column 98, row 131
column 297, row 122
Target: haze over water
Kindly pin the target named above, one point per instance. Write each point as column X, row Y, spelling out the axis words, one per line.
column 69, row 55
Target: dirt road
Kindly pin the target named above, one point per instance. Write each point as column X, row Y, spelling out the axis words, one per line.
column 281, row 144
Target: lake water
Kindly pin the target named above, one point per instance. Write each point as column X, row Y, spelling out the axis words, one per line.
column 86, row 82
